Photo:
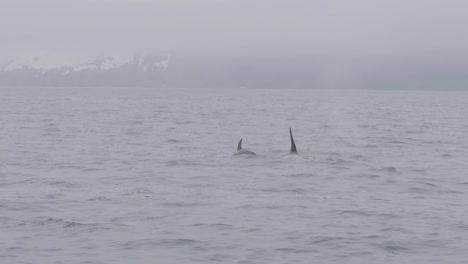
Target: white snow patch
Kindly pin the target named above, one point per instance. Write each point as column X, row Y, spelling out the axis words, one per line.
column 44, row 62
column 114, row 62
column 163, row 64
column 68, row 64
column 83, row 67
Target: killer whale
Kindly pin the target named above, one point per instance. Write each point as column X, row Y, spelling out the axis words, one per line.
column 293, row 144
column 241, row 151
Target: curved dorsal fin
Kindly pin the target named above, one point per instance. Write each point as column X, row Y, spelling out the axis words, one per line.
column 293, row 145
column 239, row 146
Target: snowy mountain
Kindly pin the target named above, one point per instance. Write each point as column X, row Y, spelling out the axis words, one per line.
column 139, row 70
column 67, row 65
column 192, row 71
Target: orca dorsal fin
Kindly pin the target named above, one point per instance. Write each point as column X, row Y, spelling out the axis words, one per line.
column 293, row 145
column 239, row 146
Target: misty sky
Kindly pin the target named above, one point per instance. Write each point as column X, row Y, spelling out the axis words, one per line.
column 235, row 27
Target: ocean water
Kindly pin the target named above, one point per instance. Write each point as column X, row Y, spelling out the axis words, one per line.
column 121, row 175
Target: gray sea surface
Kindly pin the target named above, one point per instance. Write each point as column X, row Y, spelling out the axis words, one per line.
column 139, row 175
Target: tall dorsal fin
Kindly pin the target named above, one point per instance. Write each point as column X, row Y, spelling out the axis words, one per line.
column 239, row 146
column 293, row 145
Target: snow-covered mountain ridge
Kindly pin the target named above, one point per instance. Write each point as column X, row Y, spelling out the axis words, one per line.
column 66, row 65
column 40, row 70
column 204, row 70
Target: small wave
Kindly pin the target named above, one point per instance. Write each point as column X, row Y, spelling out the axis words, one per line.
column 339, row 161
column 246, row 206
column 184, row 122
column 181, row 204
column 301, row 175
column 178, row 241
column 197, row 224
column 55, row 195
column 155, row 243
column 462, row 226
column 298, row 190
column 396, row 142
column 271, row 190
column 366, row 175
column 450, row 192
column 51, row 221
column 417, row 190
column 52, row 182
column 426, row 183
column 323, row 239
column 293, row 157
column 353, row 212
column 66, row 165
column 220, row 257
column 134, row 133
column 388, row 216
column 371, row 237
column 419, row 170
column 358, row 157
column 51, row 129
column 141, row 154
column 297, row 250
column 139, row 191
column 74, row 225
column 389, row 169
column 136, row 122
column 134, row 144
column 220, row 226
column 4, row 220
column 393, row 247
column 99, row 199
column 92, row 169
column 252, row 230
column 65, row 184
column 182, row 162
column 394, row 229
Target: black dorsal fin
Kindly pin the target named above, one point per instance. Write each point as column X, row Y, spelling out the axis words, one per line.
column 293, row 145
column 239, row 146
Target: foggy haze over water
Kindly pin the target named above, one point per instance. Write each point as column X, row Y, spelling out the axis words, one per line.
column 362, row 28
column 355, row 44
column 358, row 44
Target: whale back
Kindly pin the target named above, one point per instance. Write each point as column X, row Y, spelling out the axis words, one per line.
column 241, row 151
column 293, row 144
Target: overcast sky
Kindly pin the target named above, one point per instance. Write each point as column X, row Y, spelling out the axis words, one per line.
column 233, row 27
